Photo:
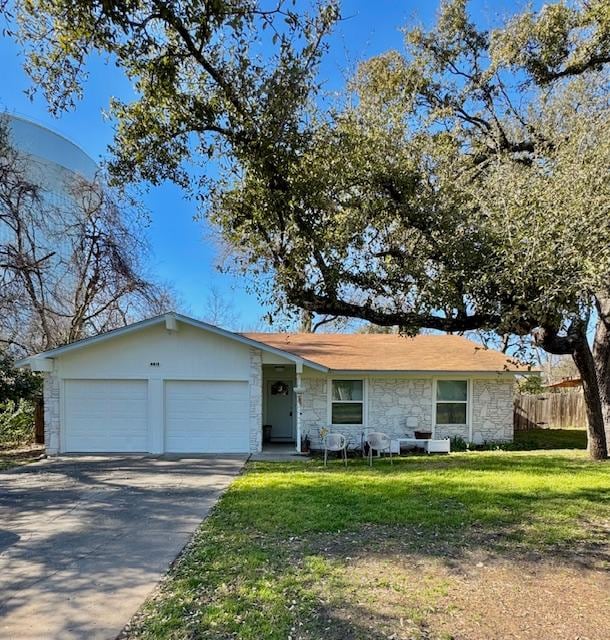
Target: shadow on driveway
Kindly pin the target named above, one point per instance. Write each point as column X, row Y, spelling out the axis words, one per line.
column 83, row 541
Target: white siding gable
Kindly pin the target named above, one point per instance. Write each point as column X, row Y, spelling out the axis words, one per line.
column 188, row 353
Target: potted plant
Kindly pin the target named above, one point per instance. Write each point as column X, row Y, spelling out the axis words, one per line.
column 305, row 443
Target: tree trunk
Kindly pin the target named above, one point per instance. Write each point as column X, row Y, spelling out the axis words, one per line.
column 601, row 355
column 306, row 322
column 583, row 359
column 575, row 343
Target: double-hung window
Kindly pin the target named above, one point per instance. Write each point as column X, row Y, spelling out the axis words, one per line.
column 347, row 402
column 452, row 402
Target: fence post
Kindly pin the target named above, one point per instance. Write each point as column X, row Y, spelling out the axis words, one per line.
column 39, row 421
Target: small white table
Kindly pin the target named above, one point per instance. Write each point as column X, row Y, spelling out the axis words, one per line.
column 429, row 445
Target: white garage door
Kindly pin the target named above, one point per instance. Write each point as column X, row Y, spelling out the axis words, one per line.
column 206, row 417
column 106, row 415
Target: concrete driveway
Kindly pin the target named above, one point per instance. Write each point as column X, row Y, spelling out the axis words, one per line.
column 83, row 541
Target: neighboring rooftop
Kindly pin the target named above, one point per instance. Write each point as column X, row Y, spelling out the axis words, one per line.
column 566, row 383
column 391, row 352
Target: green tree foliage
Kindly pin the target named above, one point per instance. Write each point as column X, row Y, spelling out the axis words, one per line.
column 531, row 385
column 18, row 391
column 460, row 184
column 16, row 424
column 16, row 384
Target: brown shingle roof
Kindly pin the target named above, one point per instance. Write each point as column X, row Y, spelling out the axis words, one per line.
column 390, row 352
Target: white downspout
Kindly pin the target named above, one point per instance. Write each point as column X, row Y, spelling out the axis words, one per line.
column 299, row 403
column 470, row 396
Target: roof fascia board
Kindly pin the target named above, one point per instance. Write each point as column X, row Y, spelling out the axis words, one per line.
column 85, row 342
column 423, row 373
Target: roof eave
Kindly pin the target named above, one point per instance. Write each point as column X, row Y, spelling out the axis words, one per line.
column 84, row 342
column 426, row 372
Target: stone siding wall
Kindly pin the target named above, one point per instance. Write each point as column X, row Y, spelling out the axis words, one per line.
column 399, row 406
column 492, row 410
column 256, row 400
column 395, row 406
column 51, row 413
column 443, row 431
column 314, row 408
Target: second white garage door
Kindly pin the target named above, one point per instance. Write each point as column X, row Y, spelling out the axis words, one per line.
column 206, row 417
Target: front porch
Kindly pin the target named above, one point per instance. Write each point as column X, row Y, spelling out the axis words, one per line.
column 281, row 409
column 279, row 452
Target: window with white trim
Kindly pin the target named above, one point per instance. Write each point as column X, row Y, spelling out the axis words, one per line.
column 347, row 402
column 452, row 402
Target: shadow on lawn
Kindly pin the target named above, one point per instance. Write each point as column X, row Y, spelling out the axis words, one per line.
column 547, row 461
column 346, row 620
column 541, row 504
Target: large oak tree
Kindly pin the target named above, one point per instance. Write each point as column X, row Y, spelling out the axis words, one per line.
column 459, row 184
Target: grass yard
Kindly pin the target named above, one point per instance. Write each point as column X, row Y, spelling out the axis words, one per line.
column 16, row 457
column 472, row 546
column 552, row 439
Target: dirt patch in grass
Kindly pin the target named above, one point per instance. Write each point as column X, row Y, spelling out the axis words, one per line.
column 504, row 598
column 15, row 457
column 392, row 588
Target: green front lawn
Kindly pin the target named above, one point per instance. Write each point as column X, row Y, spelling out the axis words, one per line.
column 296, row 551
column 552, row 439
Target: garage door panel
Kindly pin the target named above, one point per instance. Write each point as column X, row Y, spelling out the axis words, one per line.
column 206, row 417
column 106, row 415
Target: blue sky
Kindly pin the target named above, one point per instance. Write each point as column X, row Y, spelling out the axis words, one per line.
column 181, row 252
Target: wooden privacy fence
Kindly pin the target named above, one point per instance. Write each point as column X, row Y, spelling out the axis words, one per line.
column 39, row 421
column 550, row 410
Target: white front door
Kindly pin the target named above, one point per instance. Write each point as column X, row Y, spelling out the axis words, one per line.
column 205, row 416
column 107, row 416
column 280, row 409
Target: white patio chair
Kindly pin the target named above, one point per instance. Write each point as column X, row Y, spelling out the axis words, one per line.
column 380, row 442
column 335, row 442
